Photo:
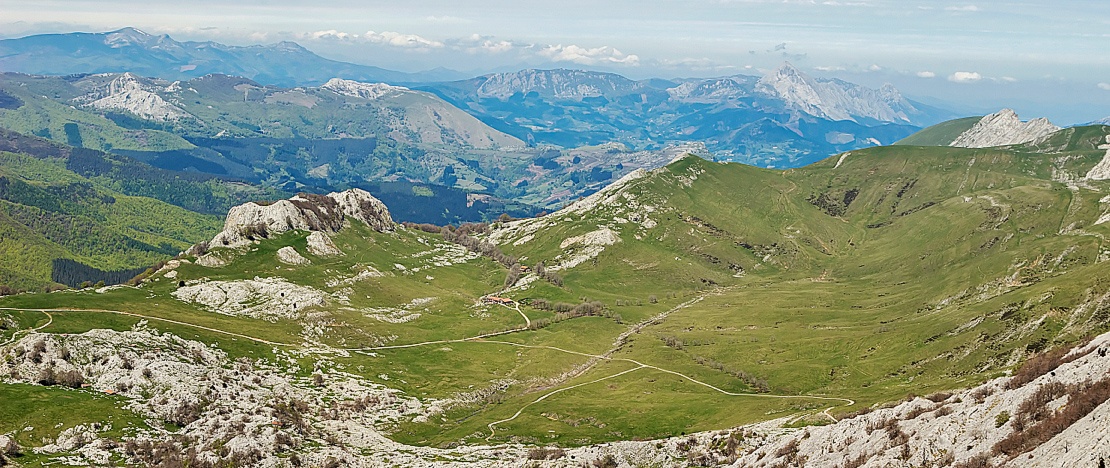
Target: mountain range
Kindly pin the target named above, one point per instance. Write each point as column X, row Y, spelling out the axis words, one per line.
column 135, row 51
column 783, row 119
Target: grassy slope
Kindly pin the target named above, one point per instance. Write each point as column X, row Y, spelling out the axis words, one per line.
column 941, row 134
column 943, row 267
column 48, row 117
column 49, row 212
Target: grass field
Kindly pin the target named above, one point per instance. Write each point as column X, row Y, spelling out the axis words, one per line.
column 751, row 295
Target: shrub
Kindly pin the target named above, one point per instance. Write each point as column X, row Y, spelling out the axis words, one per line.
column 1042, row 364
column 979, row 461
column 1001, row 418
column 545, row 453
column 1082, row 399
column 46, row 376
column 70, row 378
column 608, row 461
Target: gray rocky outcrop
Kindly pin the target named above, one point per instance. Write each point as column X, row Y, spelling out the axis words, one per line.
column 306, row 212
column 1004, row 128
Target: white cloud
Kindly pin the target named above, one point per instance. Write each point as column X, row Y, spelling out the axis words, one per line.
column 396, row 39
column 1105, row 86
column 389, row 38
column 588, row 56
column 962, row 8
column 874, row 68
column 331, row 34
column 477, row 43
column 965, row 77
column 926, row 74
column 830, row 68
column 1008, row 79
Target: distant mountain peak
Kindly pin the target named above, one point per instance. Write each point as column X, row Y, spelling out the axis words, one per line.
column 835, row 99
column 560, row 82
column 361, row 90
column 131, row 37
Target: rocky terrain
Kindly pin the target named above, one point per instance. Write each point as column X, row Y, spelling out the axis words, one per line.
column 1004, row 128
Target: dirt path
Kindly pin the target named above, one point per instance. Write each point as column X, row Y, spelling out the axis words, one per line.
column 50, row 320
column 147, row 317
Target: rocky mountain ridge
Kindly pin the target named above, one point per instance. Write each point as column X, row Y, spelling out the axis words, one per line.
column 1004, row 128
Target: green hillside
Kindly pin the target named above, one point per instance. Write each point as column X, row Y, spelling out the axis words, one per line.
column 698, row 296
column 941, row 134
column 50, row 213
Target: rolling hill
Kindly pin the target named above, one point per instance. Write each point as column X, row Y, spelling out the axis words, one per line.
column 696, row 297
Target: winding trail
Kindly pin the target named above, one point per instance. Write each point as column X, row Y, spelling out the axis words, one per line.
column 492, row 425
column 147, row 317
column 50, row 320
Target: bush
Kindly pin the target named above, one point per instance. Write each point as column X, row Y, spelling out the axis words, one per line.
column 70, row 378
column 1082, row 399
column 546, row 453
column 979, row 461
column 608, row 461
column 1001, row 418
column 1042, row 364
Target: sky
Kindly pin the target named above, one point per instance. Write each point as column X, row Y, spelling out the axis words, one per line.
column 1042, row 58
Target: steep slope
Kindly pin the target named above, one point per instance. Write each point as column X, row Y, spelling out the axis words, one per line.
column 132, row 50
column 941, row 134
column 1051, row 413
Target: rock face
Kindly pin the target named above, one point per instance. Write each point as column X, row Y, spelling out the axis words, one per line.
column 307, row 212
column 560, row 83
column 126, row 92
column 965, row 425
column 1004, row 128
column 289, row 256
column 320, row 245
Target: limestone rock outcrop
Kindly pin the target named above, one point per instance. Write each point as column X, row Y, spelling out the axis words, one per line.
column 307, row 212
column 1004, row 128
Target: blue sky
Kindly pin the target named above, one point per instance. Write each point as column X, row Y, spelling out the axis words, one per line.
column 1042, row 58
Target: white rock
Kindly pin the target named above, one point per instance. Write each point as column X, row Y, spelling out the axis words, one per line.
column 127, row 93
column 263, row 298
column 362, row 90
column 321, row 245
column 1004, row 128
column 288, row 255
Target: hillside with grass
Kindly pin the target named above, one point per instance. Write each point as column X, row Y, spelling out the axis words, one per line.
column 696, row 297
column 71, row 216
